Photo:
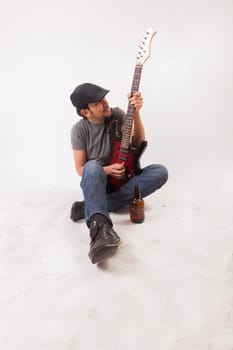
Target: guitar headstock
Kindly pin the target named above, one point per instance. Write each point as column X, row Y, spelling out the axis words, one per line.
column 145, row 46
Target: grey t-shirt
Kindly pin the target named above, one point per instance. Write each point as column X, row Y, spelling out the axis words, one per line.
column 97, row 139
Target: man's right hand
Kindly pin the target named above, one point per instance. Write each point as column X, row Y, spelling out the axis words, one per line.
column 116, row 170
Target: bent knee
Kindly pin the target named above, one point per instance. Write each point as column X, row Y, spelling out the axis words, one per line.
column 160, row 173
column 92, row 167
column 163, row 174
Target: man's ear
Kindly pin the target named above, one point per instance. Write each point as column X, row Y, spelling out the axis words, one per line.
column 85, row 112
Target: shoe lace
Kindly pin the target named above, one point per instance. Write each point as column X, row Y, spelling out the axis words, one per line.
column 104, row 229
column 99, row 228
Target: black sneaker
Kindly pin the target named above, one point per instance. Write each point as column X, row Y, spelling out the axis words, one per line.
column 77, row 211
column 104, row 243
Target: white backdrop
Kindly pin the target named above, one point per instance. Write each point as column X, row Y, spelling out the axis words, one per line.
column 171, row 279
column 49, row 47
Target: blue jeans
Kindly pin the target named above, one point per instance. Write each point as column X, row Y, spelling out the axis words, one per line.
column 97, row 200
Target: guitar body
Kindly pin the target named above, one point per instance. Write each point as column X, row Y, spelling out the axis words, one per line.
column 130, row 158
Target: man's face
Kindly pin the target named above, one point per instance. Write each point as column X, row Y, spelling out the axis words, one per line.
column 98, row 111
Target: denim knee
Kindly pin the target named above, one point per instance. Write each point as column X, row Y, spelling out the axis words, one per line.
column 163, row 174
column 92, row 167
column 159, row 173
column 93, row 170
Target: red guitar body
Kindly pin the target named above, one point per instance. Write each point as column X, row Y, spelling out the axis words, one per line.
column 130, row 158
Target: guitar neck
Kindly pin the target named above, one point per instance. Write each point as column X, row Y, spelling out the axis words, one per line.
column 127, row 129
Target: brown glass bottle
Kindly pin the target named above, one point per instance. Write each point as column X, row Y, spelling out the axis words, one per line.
column 137, row 214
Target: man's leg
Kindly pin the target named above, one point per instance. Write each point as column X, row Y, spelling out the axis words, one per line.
column 151, row 179
column 93, row 185
column 104, row 240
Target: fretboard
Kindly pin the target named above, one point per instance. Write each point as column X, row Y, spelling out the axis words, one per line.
column 127, row 129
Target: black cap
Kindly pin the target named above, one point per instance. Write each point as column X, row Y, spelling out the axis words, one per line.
column 87, row 93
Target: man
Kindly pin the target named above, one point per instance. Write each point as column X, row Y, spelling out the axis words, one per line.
column 91, row 140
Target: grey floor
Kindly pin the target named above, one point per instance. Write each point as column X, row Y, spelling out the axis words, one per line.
column 170, row 286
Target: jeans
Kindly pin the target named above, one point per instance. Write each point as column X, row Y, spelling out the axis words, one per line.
column 97, row 200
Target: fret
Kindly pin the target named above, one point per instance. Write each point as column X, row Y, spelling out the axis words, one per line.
column 127, row 129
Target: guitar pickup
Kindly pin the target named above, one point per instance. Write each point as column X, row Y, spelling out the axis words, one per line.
column 123, row 158
column 124, row 150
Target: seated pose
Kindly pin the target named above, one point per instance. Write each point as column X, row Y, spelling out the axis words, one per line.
column 92, row 141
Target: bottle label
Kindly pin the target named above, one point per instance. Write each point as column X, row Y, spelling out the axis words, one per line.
column 137, row 214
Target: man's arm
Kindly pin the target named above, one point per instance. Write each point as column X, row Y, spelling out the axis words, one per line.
column 80, row 159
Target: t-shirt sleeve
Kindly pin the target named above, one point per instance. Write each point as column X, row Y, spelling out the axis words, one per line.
column 78, row 137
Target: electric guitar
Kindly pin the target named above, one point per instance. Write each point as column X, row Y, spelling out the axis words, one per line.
column 123, row 150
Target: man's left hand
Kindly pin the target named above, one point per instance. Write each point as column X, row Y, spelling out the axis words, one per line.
column 136, row 100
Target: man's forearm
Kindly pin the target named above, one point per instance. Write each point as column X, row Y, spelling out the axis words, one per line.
column 139, row 132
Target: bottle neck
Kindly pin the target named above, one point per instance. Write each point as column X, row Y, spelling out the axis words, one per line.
column 137, row 192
